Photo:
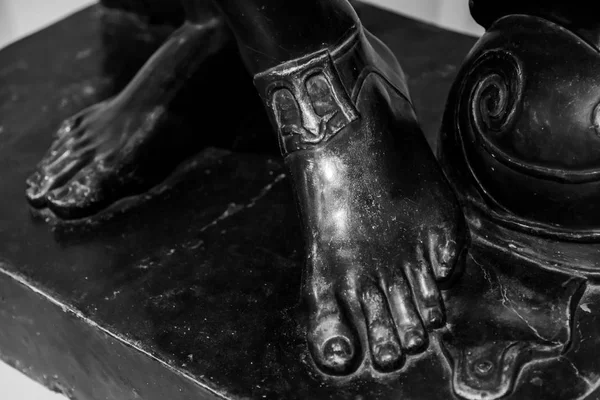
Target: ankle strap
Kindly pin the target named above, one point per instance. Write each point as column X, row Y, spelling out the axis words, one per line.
column 312, row 98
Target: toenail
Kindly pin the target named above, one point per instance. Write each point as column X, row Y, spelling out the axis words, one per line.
column 337, row 352
column 387, row 354
column 38, row 188
column 414, row 341
column 33, row 190
column 60, row 193
column 34, row 179
column 483, row 368
column 33, row 196
column 446, row 272
column 445, row 256
column 436, row 318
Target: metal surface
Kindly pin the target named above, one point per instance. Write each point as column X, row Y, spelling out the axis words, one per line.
column 193, row 292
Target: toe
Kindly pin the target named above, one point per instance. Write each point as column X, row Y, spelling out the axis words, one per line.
column 52, row 174
column 426, row 294
column 383, row 341
column 43, row 180
column 79, row 197
column 69, row 125
column 332, row 343
column 36, row 189
column 66, row 162
column 59, row 147
column 441, row 253
column 75, row 125
column 413, row 336
column 337, row 352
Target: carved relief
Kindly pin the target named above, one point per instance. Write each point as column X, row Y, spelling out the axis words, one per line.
column 309, row 103
column 493, row 92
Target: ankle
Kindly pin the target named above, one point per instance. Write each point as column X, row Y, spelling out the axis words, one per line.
column 312, row 98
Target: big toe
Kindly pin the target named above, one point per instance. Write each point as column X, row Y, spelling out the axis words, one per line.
column 332, row 342
column 79, row 198
column 37, row 188
column 54, row 172
column 337, row 353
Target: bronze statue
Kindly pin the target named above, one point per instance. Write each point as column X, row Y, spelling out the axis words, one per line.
column 381, row 224
column 384, row 226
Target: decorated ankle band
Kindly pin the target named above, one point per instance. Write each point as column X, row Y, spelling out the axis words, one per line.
column 310, row 99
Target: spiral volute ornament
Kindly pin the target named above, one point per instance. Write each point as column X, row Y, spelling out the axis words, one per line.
column 493, row 89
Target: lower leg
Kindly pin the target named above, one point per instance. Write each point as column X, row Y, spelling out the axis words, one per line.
column 270, row 32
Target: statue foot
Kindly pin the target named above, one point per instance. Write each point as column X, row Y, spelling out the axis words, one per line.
column 380, row 223
column 93, row 161
column 124, row 146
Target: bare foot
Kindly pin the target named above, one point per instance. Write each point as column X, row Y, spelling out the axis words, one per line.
column 125, row 146
column 381, row 224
